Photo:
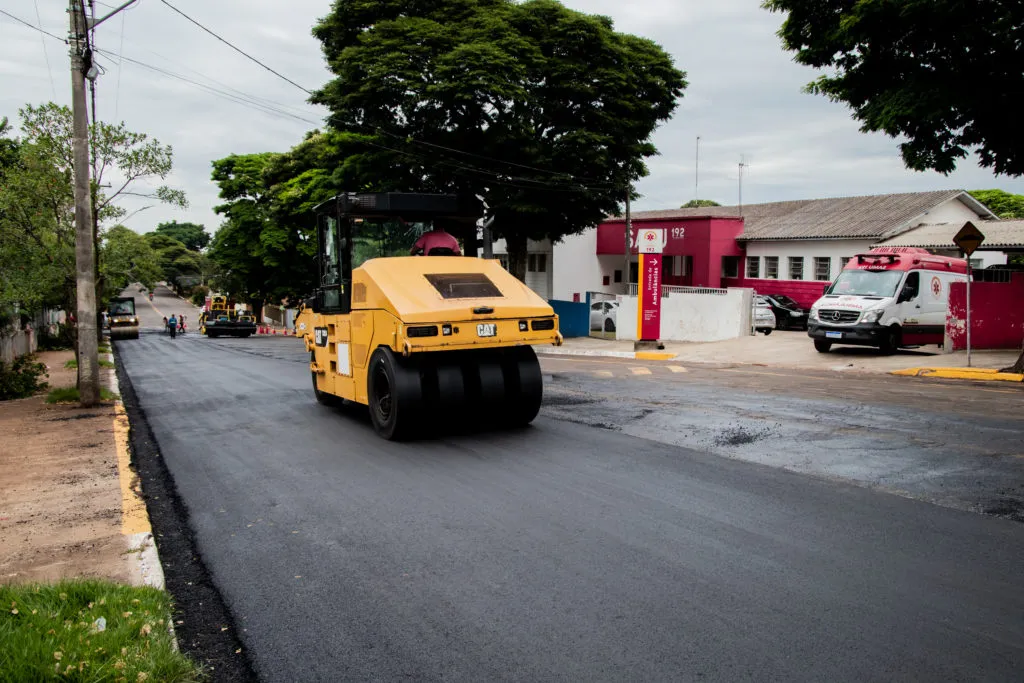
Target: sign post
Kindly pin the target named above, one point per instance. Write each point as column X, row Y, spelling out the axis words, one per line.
column 650, row 244
column 968, row 238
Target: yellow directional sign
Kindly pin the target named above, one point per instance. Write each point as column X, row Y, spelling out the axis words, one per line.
column 968, row 238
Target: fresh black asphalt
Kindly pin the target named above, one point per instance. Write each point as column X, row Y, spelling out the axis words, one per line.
column 560, row 552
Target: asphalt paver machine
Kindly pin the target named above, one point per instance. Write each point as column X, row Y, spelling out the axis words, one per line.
column 420, row 340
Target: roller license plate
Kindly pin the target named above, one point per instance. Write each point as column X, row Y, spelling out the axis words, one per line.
column 834, row 335
column 486, row 329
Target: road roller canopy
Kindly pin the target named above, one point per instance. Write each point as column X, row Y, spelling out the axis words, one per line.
column 122, row 306
column 354, row 228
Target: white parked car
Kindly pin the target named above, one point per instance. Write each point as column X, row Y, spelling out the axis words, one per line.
column 764, row 317
column 602, row 315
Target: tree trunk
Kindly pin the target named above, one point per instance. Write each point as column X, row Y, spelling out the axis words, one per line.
column 1018, row 367
column 515, row 245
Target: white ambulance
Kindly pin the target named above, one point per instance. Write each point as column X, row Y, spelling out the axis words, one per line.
column 890, row 297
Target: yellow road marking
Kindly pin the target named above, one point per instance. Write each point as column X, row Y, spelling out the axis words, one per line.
column 676, row 368
column 603, row 373
column 640, row 371
column 654, row 355
column 134, row 519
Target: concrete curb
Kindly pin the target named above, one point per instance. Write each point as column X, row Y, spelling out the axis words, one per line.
column 974, row 374
column 141, row 545
column 638, row 355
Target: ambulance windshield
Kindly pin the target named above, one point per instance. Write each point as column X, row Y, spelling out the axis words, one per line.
column 866, row 283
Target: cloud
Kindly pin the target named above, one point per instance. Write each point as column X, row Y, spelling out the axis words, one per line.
column 744, row 98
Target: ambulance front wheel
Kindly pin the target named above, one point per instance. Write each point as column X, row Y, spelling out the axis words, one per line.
column 822, row 346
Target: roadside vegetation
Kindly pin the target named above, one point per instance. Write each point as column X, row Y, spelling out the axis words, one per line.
column 72, row 363
column 70, row 395
column 22, row 378
column 89, row 630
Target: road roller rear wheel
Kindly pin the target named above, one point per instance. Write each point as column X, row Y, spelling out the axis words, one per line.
column 525, row 388
column 395, row 395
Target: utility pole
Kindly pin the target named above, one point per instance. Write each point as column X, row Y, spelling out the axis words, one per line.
column 696, row 171
column 85, row 246
column 85, row 251
column 741, row 186
column 629, row 236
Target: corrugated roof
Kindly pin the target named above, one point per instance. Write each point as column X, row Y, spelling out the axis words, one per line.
column 998, row 235
column 866, row 217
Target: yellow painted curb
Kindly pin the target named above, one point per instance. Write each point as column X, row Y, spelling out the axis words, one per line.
column 654, row 355
column 134, row 519
column 977, row 374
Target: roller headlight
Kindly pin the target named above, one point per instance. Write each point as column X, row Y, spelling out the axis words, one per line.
column 871, row 316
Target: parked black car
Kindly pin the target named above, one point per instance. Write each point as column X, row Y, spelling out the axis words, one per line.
column 788, row 313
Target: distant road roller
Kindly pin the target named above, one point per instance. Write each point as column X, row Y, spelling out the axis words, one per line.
column 421, row 340
column 123, row 320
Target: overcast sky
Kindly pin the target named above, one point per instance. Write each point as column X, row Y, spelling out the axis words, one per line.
column 744, row 98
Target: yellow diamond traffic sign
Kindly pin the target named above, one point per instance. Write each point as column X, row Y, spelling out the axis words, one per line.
column 968, row 238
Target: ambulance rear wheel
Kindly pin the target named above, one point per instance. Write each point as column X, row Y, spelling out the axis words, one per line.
column 822, row 346
column 395, row 396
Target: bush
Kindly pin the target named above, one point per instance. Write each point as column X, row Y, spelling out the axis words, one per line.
column 199, row 293
column 21, row 378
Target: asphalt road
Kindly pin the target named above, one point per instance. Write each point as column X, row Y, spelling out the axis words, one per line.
column 563, row 551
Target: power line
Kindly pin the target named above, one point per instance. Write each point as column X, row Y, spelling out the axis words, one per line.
column 33, row 26
column 240, row 51
column 46, row 55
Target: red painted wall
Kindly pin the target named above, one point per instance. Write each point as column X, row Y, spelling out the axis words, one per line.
column 997, row 314
column 705, row 239
column 804, row 292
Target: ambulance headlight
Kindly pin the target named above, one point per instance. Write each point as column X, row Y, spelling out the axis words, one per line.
column 871, row 316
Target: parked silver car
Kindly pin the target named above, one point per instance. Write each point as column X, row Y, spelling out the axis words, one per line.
column 764, row 318
column 602, row 315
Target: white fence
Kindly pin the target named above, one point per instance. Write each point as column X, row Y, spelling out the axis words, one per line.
column 17, row 344
column 697, row 315
column 668, row 290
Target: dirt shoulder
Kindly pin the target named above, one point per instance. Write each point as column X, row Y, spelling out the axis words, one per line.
column 60, row 493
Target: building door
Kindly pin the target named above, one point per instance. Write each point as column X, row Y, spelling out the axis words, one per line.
column 538, row 274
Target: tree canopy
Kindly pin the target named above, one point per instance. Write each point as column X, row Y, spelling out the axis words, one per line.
column 545, row 112
column 192, row 235
column 1001, row 202
column 127, row 257
column 944, row 74
column 696, row 203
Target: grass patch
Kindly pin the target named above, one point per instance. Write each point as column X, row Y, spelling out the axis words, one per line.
column 73, row 363
column 70, row 395
column 50, row 632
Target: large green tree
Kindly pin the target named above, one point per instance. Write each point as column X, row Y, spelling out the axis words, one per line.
column 544, row 111
column 944, row 74
column 127, row 257
column 192, row 235
column 1002, row 203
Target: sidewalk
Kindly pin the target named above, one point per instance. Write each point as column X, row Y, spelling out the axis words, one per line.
column 69, row 503
column 788, row 349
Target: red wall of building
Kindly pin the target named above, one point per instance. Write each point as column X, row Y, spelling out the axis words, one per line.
column 705, row 239
column 804, row 292
column 997, row 314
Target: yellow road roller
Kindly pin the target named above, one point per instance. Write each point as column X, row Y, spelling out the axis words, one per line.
column 123, row 320
column 421, row 340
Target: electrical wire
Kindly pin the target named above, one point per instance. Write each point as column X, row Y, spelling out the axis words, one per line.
column 33, row 26
column 46, row 55
column 236, row 49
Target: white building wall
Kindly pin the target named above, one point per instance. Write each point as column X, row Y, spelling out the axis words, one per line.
column 692, row 317
column 834, row 250
column 540, row 281
column 951, row 211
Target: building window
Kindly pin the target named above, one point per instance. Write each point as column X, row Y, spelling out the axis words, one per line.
column 731, row 266
column 796, row 267
column 771, row 267
column 753, row 267
column 843, row 260
column 618, row 276
column 822, row 268
column 605, row 280
column 537, row 263
column 666, row 269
